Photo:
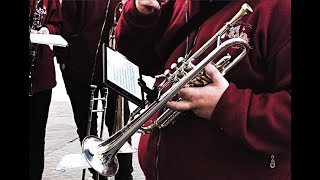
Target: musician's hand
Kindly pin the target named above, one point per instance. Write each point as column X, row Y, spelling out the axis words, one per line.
column 202, row 100
column 147, row 6
column 62, row 67
column 32, row 31
column 43, row 30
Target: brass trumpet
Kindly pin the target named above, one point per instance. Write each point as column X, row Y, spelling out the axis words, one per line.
column 103, row 98
column 119, row 124
column 101, row 155
column 119, row 113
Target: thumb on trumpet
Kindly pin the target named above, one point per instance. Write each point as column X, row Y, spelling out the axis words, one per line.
column 216, row 77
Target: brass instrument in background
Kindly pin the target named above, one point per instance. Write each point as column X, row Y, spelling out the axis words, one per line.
column 119, row 113
column 103, row 98
column 119, row 124
column 119, row 110
column 101, row 155
column 112, row 40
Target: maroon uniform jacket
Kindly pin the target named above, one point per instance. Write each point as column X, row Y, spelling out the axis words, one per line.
column 43, row 72
column 83, row 21
column 251, row 124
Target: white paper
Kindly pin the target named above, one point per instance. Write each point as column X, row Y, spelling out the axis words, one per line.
column 123, row 73
column 48, row 39
column 72, row 161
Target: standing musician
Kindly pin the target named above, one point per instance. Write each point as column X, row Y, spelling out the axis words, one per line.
column 86, row 26
column 45, row 18
column 239, row 125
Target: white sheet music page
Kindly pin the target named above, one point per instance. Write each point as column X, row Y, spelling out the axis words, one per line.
column 123, row 73
column 72, row 161
column 48, row 39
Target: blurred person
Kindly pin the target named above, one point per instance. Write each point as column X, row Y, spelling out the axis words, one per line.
column 239, row 125
column 86, row 26
column 44, row 18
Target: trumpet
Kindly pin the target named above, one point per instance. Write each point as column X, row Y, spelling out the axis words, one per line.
column 101, row 155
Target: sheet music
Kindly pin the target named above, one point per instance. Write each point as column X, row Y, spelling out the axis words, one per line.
column 48, row 39
column 72, row 161
column 123, row 73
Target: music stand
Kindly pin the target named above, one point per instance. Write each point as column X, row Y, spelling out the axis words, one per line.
column 122, row 76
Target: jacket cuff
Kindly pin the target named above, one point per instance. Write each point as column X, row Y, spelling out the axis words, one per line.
column 230, row 111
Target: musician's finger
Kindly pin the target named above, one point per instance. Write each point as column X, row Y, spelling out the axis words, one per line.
column 188, row 93
column 216, row 77
column 179, row 105
column 205, row 77
column 44, row 30
column 32, row 31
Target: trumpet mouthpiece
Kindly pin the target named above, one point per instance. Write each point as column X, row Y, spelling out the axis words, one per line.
column 247, row 8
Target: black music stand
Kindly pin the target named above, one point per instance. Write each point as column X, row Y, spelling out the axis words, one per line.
column 122, row 76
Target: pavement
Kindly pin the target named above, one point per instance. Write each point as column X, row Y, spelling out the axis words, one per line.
column 63, row 158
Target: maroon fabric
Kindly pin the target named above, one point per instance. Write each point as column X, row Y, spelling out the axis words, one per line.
column 252, row 119
column 43, row 74
column 84, row 27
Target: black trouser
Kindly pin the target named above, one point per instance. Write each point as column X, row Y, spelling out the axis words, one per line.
column 79, row 95
column 38, row 109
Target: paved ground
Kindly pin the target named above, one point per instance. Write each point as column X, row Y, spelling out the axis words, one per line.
column 62, row 141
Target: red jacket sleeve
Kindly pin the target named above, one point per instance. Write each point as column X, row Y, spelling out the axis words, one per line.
column 55, row 19
column 145, row 26
column 261, row 121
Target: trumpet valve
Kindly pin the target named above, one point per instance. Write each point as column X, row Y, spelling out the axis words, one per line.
column 174, row 66
column 223, row 62
column 179, row 72
column 168, row 78
column 188, row 66
column 180, row 60
column 165, row 74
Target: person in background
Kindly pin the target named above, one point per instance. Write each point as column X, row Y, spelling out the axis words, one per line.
column 45, row 18
column 86, row 26
column 239, row 125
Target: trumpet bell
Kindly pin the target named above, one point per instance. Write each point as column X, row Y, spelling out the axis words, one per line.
column 98, row 159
